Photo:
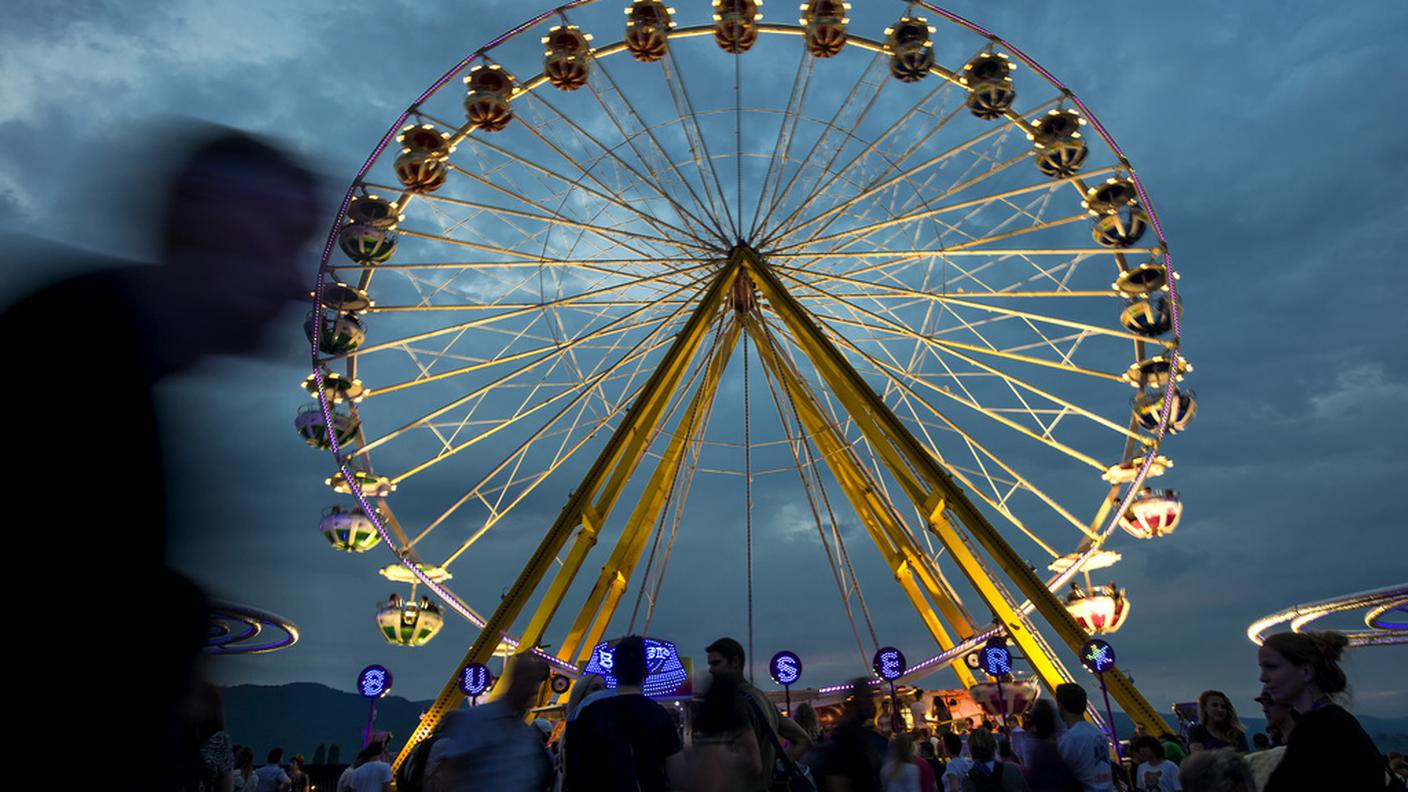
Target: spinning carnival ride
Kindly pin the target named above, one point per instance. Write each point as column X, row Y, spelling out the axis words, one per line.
column 941, row 284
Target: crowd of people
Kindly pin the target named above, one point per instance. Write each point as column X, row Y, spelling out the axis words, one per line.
column 621, row 740
column 734, row 739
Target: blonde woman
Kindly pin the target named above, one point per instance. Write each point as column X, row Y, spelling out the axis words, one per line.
column 1217, row 725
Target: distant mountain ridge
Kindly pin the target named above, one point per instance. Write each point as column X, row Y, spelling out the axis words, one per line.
column 302, row 715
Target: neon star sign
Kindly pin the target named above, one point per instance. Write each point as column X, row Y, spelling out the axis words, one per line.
column 1097, row 655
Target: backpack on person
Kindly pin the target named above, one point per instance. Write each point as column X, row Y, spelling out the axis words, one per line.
column 410, row 776
column 984, row 781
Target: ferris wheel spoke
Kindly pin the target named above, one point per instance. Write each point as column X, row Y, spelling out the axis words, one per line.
column 613, row 235
column 782, row 148
column 969, row 399
column 610, row 153
column 899, row 378
column 886, row 183
column 605, row 195
column 479, row 392
column 902, row 332
column 607, row 266
column 518, row 312
column 902, row 380
column 426, row 377
column 878, row 63
column 524, row 411
column 998, row 500
column 698, row 142
column 1049, row 186
column 781, row 228
column 663, row 156
column 496, row 515
column 892, row 291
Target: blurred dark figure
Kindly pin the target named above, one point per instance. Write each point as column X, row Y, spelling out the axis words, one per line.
column 931, row 757
column 296, row 775
column 271, row 777
column 625, row 742
column 989, row 772
column 856, row 751
column 490, row 747
column 244, row 778
column 1083, row 746
column 82, row 357
column 725, row 754
column 374, row 772
column 1046, row 770
column 1219, row 770
column 726, row 661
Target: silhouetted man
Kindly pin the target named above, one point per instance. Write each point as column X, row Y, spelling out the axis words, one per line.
column 81, row 358
column 726, row 659
column 625, row 742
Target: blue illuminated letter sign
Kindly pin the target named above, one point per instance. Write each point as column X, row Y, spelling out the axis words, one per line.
column 889, row 663
column 785, row 667
column 374, row 681
column 475, row 679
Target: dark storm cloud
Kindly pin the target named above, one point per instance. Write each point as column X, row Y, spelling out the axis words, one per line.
column 1269, row 137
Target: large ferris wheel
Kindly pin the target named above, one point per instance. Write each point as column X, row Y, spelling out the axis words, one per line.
column 941, row 283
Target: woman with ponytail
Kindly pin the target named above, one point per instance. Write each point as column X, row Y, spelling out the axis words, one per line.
column 1328, row 749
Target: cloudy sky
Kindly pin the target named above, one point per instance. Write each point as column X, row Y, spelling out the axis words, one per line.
column 1268, row 134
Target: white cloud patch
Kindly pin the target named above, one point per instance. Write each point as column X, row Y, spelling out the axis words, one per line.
column 1357, row 389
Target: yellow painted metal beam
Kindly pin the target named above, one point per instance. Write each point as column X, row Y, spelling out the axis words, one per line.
column 884, row 525
column 933, row 490
column 589, row 505
column 601, row 603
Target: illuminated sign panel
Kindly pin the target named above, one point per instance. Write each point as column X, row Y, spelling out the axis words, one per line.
column 475, row 679
column 665, row 674
column 374, row 681
column 889, row 663
column 1097, row 655
column 785, row 667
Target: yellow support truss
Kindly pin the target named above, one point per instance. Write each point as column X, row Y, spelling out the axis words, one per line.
column 937, row 496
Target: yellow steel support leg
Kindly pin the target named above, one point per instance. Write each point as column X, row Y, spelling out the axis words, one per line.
column 885, row 527
column 601, row 603
column 931, row 488
column 603, row 483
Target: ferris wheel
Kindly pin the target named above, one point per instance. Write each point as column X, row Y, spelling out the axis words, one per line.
column 940, row 281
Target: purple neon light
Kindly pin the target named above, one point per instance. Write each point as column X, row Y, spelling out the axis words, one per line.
column 1176, row 357
column 1060, row 580
column 445, row 594
column 255, row 621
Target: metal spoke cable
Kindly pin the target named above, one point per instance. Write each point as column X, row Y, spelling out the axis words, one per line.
column 748, row 500
column 792, row 444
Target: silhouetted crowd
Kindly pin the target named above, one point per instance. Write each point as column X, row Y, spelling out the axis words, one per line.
column 621, row 740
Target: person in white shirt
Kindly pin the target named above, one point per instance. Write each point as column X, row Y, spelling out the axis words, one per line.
column 271, row 777
column 1155, row 773
column 955, row 778
column 375, row 774
column 918, row 711
column 1083, row 747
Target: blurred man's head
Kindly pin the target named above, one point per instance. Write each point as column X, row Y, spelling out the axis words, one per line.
column 523, row 675
column 725, row 658
column 1072, row 700
column 238, row 217
column 628, row 661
